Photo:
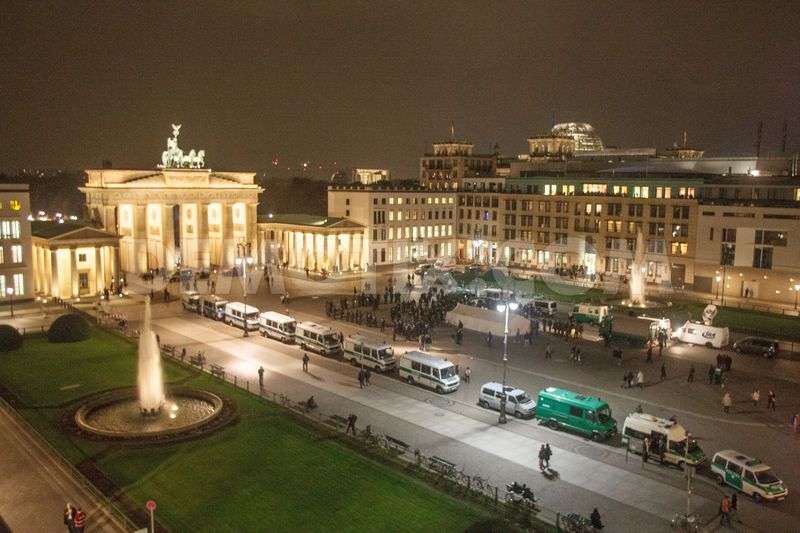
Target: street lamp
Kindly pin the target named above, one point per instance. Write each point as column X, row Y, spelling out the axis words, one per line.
column 507, row 305
column 796, row 288
column 724, row 280
column 718, row 278
column 243, row 259
column 10, row 292
column 688, row 475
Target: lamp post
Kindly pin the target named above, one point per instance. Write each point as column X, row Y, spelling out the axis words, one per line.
column 507, row 305
column 796, row 289
column 722, row 302
column 10, row 292
column 243, row 259
column 718, row 278
column 688, row 476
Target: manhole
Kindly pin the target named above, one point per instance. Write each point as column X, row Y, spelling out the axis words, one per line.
column 438, row 413
column 592, row 452
column 440, row 402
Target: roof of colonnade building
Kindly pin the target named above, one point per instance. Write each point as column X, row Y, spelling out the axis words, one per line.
column 317, row 221
column 74, row 230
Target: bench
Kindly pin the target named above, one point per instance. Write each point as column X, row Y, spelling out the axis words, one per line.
column 442, row 465
column 397, row 444
column 337, row 421
column 218, row 371
column 168, row 349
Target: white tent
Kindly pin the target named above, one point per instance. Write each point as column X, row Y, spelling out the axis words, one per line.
column 486, row 320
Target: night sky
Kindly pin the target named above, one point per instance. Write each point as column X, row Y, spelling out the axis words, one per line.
column 370, row 83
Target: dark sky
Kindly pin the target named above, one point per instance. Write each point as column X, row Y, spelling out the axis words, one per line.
column 370, row 83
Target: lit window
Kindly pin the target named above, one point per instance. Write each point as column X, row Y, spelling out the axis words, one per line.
column 16, row 253
column 19, row 284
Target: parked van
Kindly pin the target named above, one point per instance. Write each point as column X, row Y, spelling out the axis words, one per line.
column 583, row 414
column 592, row 314
column 518, row 402
column 661, row 432
column 191, row 301
column 369, row 352
column 491, row 293
column 311, row 336
column 214, row 307
column 445, row 263
column 277, row 326
column 429, row 371
column 698, row 333
column 241, row 316
column 748, row 475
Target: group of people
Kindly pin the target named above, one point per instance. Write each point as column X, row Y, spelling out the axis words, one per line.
column 74, row 518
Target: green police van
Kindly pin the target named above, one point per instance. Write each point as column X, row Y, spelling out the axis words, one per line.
column 748, row 475
column 582, row 414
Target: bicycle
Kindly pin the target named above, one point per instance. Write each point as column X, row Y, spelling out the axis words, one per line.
column 690, row 523
column 575, row 523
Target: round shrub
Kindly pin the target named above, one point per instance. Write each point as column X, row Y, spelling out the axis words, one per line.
column 10, row 338
column 68, row 328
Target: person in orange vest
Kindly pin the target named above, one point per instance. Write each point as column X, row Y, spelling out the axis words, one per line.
column 79, row 522
column 725, row 511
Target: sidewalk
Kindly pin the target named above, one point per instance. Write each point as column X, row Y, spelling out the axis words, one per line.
column 35, row 487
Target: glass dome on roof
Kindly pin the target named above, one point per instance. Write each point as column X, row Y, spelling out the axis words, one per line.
column 585, row 137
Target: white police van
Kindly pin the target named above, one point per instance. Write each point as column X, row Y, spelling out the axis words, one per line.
column 241, row 316
column 277, row 326
column 317, row 338
column 214, row 307
column 428, row 371
column 364, row 351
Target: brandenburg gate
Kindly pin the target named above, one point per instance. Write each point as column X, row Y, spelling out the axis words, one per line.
column 179, row 214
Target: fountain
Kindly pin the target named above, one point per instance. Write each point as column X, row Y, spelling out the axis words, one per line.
column 148, row 411
column 149, row 380
column 637, row 285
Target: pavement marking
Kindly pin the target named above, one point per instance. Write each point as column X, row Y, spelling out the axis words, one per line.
column 68, row 387
column 573, row 468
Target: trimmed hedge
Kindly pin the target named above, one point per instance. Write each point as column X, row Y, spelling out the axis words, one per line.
column 10, row 338
column 68, row 328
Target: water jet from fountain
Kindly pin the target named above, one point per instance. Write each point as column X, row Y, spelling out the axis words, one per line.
column 149, row 379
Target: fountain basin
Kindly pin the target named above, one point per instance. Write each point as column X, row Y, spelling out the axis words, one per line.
column 117, row 414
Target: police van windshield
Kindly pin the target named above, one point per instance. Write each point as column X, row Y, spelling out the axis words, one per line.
column 252, row 315
column 385, row 353
column 766, row 477
column 330, row 338
column 604, row 415
column 522, row 398
column 289, row 328
column 448, row 372
column 680, row 446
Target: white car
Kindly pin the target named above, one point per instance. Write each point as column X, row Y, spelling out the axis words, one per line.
column 518, row 402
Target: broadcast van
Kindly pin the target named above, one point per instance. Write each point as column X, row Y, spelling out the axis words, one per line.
column 698, row 333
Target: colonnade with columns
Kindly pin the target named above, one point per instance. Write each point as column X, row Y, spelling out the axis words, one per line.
column 316, row 249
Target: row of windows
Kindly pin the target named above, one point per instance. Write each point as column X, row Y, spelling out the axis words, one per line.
column 415, row 232
column 379, row 217
column 9, row 229
column 432, row 200
column 15, row 281
column 16, row 254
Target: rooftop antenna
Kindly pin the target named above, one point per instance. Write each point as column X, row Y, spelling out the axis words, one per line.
column 758, row 138
column 785, row 134
column 685, row 136
column 452, row 131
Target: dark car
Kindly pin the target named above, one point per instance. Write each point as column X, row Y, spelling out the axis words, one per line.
column 757, row 346
column 422, row 269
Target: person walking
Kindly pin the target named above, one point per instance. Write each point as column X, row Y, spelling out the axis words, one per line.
column 771, row 400
column 69, row 517
column 594, row 518
column 367, row 375
column 542, row 455
column 727, row 401
column 361, row 378
column 261, row 377
column 79, row 521
column 467, row 373
column 649, row 354
column 756, row 397
column 306, row 359
column 351, row 424
column 640, row 379
column 710, row 374
column 690, row 379
column 663, row 371
column 548, row 352
column 735, row 507
column 725, row 511
column 548, row 453
column 489, row 340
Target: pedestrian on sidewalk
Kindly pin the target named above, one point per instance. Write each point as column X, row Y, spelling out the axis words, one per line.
column 367, row 375
column 351, row 424
column 306, row 359
column 756, row 397
column 79, row 522
column 261, row 377
column 361, row 378
column 727, row 401
column 489, row 340
column 663, row 371
column 725, row 511
column 69, row 517
column 548, row 453
column 690, row 379
column 595, row 519
column 467, row 373
column 640, row 379
column 548, row 352
column 735, row 507
column 710, row 374
column 649, row 353
column 645, row 450
column 771, row 400
column 542, row 456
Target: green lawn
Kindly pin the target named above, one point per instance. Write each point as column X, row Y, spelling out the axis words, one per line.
column 268, row 472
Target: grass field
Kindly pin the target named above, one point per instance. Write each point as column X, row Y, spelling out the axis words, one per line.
column 268, row 472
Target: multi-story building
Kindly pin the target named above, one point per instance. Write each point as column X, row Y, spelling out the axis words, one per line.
column 16, row 264
column 402, row 223
column 454, row 162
